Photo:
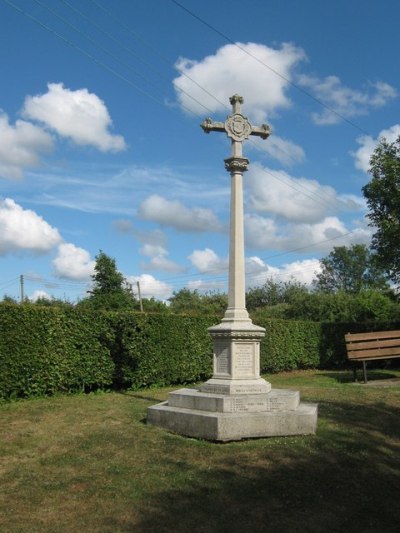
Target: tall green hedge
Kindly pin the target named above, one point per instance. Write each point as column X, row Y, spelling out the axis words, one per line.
column 44, row 350
column 160, row 349
column 47, row 350
column 289, row 344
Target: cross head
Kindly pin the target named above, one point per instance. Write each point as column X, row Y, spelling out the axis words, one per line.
column 237, row 127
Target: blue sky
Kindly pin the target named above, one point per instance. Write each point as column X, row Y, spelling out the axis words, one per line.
column 101, row 146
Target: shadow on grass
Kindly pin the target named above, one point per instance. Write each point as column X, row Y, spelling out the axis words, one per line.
column 141, row 396
column 373, row 375
column 345, row 479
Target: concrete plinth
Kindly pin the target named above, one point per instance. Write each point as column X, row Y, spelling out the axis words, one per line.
column 220, row 417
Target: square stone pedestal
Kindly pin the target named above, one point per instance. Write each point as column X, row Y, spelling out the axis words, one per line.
column 236, row 403
column 218, row 417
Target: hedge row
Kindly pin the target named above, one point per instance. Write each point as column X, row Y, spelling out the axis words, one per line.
column 160, row 349
column 289, row 344
column 49, row 350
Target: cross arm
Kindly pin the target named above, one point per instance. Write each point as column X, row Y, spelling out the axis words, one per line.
column 209, row 125
column 264, row 131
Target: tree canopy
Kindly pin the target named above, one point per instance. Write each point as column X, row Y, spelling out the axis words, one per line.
column 350, row 269
column 110, row 289
column 273, row 294
column 192, row 302
column 383, row 199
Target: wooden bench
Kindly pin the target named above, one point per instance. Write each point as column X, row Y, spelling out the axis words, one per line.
column 372, row 346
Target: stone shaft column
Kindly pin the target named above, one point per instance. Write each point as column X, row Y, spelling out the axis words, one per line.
column 236, row 310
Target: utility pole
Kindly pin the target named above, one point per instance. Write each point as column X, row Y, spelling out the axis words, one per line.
column 139, row 296
column 21, row 284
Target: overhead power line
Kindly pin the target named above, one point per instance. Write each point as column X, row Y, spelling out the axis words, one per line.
column 129, row 50
column 10, row 283
column 155, row 51
column 277, row 73
column 296, row 186
column 301, row 188
column 82, row 51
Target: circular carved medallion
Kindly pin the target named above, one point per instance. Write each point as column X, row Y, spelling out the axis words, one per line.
column 237, row 127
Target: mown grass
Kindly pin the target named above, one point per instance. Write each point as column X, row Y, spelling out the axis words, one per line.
column 89, row 462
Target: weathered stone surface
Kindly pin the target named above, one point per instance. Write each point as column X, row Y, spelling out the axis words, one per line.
column 226, row 426
column 275, row 400
column 236, row 386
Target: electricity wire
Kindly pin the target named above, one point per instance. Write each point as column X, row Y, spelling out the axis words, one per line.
column 83, row 51
column 287, row 80
column 127, row 49
column 295, row 186
column 9, row 283
column 155, row 50
column 111, row 70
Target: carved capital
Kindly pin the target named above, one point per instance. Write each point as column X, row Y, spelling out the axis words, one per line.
column 236, row 164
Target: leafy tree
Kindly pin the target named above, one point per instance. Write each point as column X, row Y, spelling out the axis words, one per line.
column 151, row 305
column 273, row 294
column 217, row 302
column 51, row 302
column 344, row 307
column 192, row 302
column 9, row 300
column 185, row 301
column 383, row 198
column 350, row 270
column 110, row 289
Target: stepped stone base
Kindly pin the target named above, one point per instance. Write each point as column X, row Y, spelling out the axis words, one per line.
column 225, row 417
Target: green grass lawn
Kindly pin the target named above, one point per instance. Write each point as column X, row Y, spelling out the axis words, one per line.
column 90, row 463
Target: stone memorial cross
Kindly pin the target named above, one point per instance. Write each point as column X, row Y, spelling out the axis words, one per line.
column 238, row 128
column 236, row 402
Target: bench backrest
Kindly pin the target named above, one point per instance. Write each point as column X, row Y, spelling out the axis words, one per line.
column 373, row 345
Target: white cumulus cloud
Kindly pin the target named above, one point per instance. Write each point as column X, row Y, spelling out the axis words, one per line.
column 24, row 230
column 207, row 286
column 150, row 287
column 207, row 261
column 263, row 234
column 283, row 150
column 21, row 146
column 342, row 101
column 79, row 115
column 250, row 68
column 174, row 214
column 73, row 263
column 368, row 144
column 295, row 199
column 38, row 294
column 159, row 259
column 299, row 271
column 257, row 272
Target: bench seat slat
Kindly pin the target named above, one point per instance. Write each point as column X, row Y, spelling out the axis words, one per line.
column 373, row 335
column 370, row 345
column 383, row 353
